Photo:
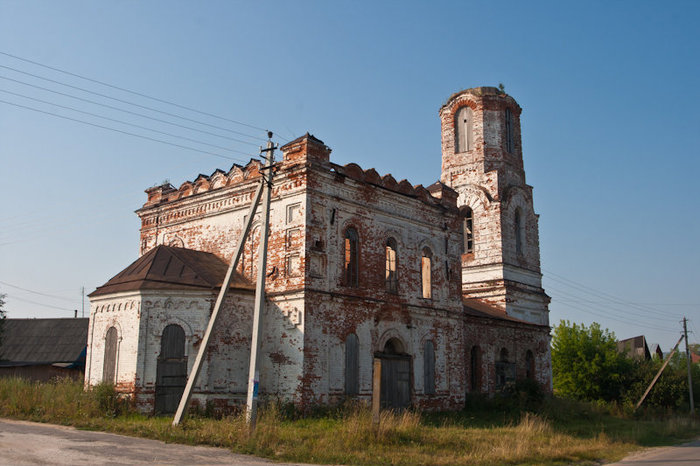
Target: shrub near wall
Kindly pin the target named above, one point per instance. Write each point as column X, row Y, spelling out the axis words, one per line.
column 63, row 401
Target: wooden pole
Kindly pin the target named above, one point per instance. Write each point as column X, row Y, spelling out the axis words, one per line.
column 376, row 391
column 688, row 362
column 192, row 378
column 253, row 373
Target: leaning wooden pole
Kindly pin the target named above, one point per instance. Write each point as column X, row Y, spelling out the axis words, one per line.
column 196, row 369
column 658, row 374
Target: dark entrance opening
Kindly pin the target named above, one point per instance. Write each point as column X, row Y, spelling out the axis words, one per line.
column 171, row 373
column 396, row 376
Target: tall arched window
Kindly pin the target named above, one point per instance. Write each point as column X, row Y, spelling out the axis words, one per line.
column 518, row 232
column 426, row 273
column 429, row 368
column 468, row 230
column 475, row 369
column 110, row 361
column 352, row 365
column 392, row 281
column 351, row 267
column 464, row 129
column 502, row 366
column 529, row 365
column 509, row 131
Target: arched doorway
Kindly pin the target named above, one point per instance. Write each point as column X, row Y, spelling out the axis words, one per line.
column 396, row 376
column 171, row 372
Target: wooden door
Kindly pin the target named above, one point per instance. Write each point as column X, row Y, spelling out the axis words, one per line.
column 171, row 372
column 109, row 365
column 396, row 382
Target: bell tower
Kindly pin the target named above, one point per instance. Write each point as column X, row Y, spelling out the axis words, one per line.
column 482, row 160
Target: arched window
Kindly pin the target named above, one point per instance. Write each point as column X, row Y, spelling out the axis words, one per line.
column 172, row 343
column 464, row 130
column 468, row 230
column 429, row 368
column 505, row 371
column 351, row 267
column 352, row 365
column 509, row 131
column 110, row 361
column 518, row 232
column 249, row 261
column 426, row 272
column 529, row 365
column 475, row 369
column 392, row 281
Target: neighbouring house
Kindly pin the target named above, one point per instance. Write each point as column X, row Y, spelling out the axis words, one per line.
column 41, row 349
column 656, row 351
column 635, row 347
column 441, row 284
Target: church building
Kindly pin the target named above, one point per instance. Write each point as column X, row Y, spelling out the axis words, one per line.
column 441, row 283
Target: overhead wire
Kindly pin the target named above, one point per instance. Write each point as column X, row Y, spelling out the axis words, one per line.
column 106, row 96
column 39, row 292
column 82, row 99
column 122, row 122
column 628, row 322
column 608, row 307
column 125, row 132
column 602, row 295
column 39, row 304
column 132, row 92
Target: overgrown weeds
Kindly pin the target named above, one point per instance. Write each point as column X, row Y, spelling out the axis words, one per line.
column 502, row 430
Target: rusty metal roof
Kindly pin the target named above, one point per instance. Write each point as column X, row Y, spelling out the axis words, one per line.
column 168, row 267
column 43, row 341
column 478, row 308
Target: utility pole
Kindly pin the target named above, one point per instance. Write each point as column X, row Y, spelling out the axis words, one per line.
column 687, row 357
column 192, row 379
column 253, row 373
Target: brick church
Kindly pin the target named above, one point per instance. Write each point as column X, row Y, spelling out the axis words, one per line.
column 441, row 283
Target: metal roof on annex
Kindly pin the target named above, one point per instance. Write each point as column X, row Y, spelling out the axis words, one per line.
column 168, row 267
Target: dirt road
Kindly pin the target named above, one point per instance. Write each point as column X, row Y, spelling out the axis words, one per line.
column 29, row 443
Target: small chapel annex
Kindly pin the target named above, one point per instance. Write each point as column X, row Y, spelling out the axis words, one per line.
column 442, row 283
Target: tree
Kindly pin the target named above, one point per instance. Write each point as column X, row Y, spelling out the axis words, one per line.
column 586, row 364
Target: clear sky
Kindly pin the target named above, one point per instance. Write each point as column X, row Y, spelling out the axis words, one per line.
column 609, row 91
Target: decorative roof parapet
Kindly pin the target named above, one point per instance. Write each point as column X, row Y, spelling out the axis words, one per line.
column 301, row 149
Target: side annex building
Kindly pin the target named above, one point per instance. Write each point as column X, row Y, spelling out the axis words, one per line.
column 442, row 283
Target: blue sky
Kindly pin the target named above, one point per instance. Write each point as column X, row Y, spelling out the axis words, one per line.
column 609, row 92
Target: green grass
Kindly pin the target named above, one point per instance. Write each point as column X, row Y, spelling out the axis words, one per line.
column 489, row 432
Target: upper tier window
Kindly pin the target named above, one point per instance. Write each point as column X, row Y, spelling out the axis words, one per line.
column 464, row 129
column 426, row 273
column 468, row 231
column 392, row 282
column 509, row 131
column 351, row 267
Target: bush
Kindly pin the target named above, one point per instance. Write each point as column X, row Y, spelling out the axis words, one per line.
column 109, row 402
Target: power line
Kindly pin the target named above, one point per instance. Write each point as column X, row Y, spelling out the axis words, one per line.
column 602, row 295
column 133, row 92
column 38, row 292
column 120, row 100
column 628, row 322
column 122, row 122
column 40, row 304
column 82, row 99
column 125, row 132
column 608, row 307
